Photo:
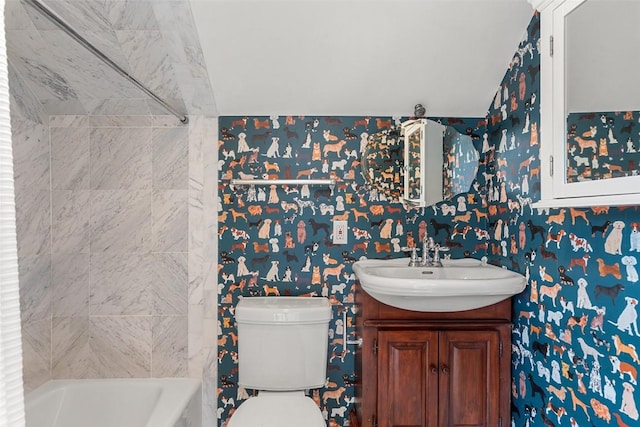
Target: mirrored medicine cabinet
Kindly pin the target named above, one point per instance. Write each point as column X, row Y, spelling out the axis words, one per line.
column 420, row 163
column 590, row 109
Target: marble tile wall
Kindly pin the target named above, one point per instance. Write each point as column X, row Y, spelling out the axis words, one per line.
column 113, row 273
column 141, row 36
column 203, row 273
column 119, row 247
column 116, row 253
column 32, row 186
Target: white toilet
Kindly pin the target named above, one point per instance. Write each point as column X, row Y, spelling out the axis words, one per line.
column 282, row 351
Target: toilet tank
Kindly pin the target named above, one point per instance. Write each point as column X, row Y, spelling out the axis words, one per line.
column 282, row 342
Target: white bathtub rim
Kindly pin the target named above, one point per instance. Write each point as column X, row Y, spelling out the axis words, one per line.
column 175, row 397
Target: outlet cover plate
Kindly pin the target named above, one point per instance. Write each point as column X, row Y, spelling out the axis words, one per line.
column 340, row 229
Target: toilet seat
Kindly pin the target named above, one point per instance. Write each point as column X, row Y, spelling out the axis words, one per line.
column 278, row 409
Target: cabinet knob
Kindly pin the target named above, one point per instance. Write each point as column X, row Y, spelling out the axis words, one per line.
column 445, row 369
column 434, row 369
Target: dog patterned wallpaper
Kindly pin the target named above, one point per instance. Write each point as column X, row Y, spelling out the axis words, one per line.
column 575, row 330
column 276, row 239
column 594, row 149
column 575, row 326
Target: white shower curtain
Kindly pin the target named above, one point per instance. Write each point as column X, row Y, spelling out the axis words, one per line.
column 11, row 389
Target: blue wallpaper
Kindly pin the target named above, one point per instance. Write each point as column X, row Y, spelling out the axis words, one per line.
column 575, row 330
column 275, row 240
column 575, row 337
column 602, row 145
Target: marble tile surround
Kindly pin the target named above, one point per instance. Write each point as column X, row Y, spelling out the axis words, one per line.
column 31, row 152
column 130, row 302
column 36, row 353
column 62, row 102
column 154, row 40
column 120, row 221
column 109, row 290
column 70, row 158
column 120, row 158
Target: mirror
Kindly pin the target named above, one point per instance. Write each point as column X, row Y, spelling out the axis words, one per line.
column 383, row 163
column 602, row 94
column 460, row 163
column 591, row 150
column 424, row 161
column 414, row 133
column 420, row 163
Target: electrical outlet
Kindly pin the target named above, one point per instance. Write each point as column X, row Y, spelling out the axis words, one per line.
column 340, row 229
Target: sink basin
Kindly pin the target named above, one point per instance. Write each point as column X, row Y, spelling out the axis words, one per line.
column 461, row 284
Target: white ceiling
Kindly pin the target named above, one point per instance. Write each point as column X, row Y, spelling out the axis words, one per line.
column 356, row 57
column 265, row 57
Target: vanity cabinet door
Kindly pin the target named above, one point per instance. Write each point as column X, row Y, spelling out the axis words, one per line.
column 431, row 369
column 469, row 381
column 430, row 378
column 407, row 378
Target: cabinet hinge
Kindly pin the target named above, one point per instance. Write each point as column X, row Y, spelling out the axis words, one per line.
column 375, row 347
column 500, row 422
column 500, row 348
column 551, row 45
column 550, row 165
column 374, row 421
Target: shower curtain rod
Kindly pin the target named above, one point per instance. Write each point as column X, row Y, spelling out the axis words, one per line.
column 53, row 17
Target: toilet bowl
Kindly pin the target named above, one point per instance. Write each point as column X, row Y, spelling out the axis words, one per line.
column 279, row 408
column 282, row 351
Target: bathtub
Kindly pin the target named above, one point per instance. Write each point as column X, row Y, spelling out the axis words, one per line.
column 165, row 402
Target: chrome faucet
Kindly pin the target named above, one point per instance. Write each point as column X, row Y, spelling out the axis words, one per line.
column 413, row 262
column 427, row 246
column 435, row 262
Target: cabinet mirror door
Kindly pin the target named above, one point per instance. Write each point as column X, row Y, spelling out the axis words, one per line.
column 383, row 164
column 596, row 102
column 420, row 161
column 439, row 162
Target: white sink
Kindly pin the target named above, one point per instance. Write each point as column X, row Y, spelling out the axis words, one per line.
column 461, row 284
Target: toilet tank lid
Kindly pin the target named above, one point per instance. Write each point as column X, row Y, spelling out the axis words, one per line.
column 283, row 310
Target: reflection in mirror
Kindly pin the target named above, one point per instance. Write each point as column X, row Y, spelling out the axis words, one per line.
column 415, row 133
column 424, row 161
column 602, row 94
column 383, row 163
column 460, row 163
column 601, row 70
column 446, row 167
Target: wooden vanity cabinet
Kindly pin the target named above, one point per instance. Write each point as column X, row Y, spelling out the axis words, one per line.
column 434, row 369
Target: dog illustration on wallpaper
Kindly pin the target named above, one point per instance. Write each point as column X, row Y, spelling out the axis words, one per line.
column 611, row 136
column 608, row 269
column 630, row 262
column 274, row 149
column 634, row 238
column 242, row 269
column 264, row 238
column 333, row 148
column 623, row 369
column 628, row 319
column 554, row 237
column 628, row 349
column 628, row 401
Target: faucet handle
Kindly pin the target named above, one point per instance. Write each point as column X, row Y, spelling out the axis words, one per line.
column 436, row 254
column 414, row 255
